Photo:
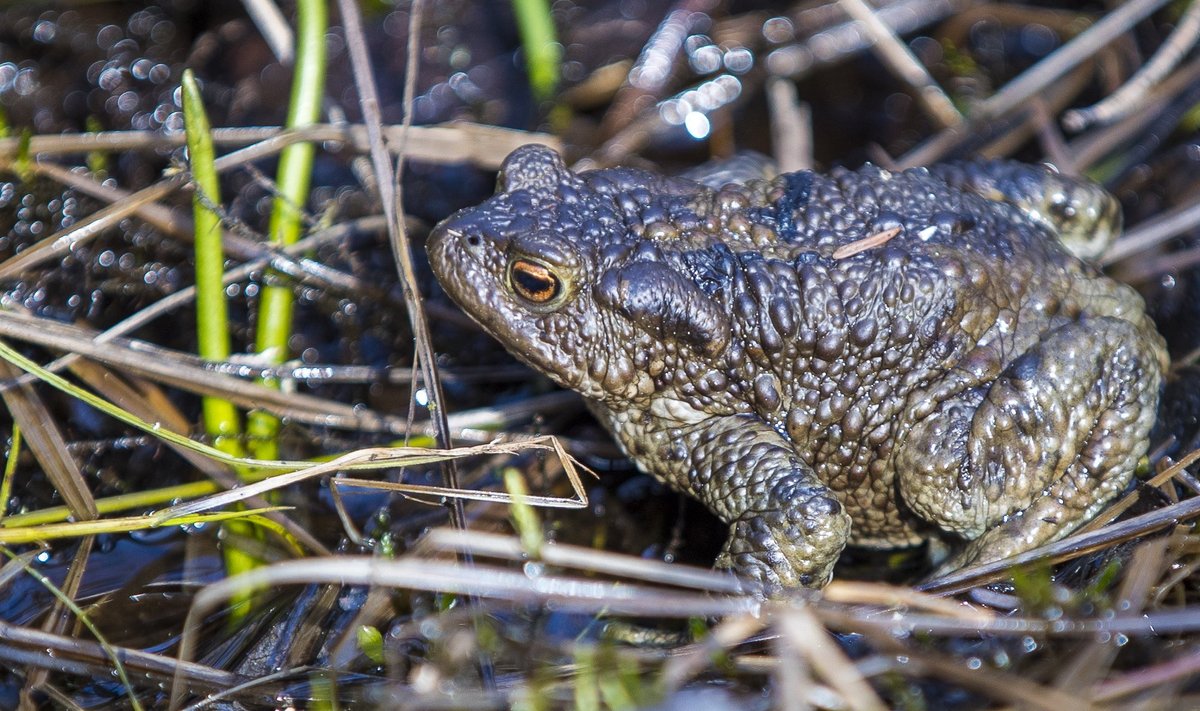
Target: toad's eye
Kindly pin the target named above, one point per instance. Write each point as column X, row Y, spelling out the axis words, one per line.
column 534, row 282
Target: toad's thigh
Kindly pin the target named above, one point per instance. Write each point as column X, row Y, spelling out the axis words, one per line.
column 1068, row 420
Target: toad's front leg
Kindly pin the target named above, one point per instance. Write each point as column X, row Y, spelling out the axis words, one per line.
column 786, row 528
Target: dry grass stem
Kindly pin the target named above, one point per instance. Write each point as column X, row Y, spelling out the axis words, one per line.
column 1095, row 657
column 274, row 28
column 48, row 445
column 1037, row 78
column 492, row 545
column 1140, row 238
column 791, row 127
column 691, row 660
column 1092, row 146
column 389, row 457
column 1129, row 97
column 459, row 142
column 891, row 596
column 804, row 633
column 1111, row 513
column 188, row 373
column 196, row 677
column 1070, row 547
column 870, row 242
column 903, row 64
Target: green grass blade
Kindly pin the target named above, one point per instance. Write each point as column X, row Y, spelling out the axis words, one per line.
column 292, row 179
column 108, row 526
column 221, row 419
column 10, row 470
column 212, row 323
column 539, row 40
column 113, row 504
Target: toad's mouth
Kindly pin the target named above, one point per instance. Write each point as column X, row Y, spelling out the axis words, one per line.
column 464, row 275
column 449, row 248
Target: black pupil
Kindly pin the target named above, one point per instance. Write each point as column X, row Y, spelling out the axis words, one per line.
column 535, row 282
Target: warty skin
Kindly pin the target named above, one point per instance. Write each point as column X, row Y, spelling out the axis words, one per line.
column 967, row 380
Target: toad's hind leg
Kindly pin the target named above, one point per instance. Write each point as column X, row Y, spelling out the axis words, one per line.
column 1055, row 437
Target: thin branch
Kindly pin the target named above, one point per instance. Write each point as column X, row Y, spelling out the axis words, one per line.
column 900, row 60
column 1129, row 97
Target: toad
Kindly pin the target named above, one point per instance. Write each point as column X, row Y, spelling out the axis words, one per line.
column 867, row 357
